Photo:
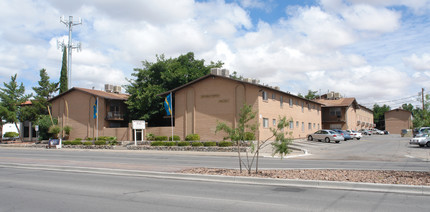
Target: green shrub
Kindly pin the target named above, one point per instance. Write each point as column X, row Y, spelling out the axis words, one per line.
column 67, row 142
column 192, row 137
column 88, row 143
column 76, row 142
column 183, row 143
column 11, row 134
column 67, row 129
column 170, row 143
column 175, row 138
column 249, row 136
column 209, row 143
column 157, row 143
column 78, row 139
column 225, row 143
column 196, row 144
column 54, row 130
column 161, row 138
column 100, row 142
column 150, row 137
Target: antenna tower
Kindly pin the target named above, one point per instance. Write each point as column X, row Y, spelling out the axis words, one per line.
column 70, row 46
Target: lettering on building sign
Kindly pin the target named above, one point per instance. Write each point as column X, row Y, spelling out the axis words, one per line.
column 210, row 96
column 223, row 100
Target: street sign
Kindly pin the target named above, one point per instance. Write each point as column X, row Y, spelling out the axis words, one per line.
column 36, row 128
column 138, row 124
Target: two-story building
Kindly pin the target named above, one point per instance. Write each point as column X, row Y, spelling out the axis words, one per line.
column 204, row 102
column 344, row 113
column 76, row 108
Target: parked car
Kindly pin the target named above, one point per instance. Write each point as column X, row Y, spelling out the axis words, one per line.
column 365, row 132
column 326, row 135
column 355, row 134
column 344, row 133
column 420, row 132
column 421, row 141
column 386, row 132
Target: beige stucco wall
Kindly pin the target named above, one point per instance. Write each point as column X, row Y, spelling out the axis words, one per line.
column 75, row 109
column 364, row 116
column 201, row 105
column 395, row 121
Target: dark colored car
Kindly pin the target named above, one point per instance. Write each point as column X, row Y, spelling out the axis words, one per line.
column 344, row 133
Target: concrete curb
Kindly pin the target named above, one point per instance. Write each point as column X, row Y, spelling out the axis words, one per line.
column 370, row 187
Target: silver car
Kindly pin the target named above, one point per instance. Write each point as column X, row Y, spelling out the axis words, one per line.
column 326, row 135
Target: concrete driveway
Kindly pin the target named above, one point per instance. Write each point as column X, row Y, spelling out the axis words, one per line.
column 373, row 148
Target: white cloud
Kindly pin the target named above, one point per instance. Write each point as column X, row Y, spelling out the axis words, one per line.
column 419, row 63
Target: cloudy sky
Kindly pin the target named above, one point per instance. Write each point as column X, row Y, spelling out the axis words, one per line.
column 375, row 50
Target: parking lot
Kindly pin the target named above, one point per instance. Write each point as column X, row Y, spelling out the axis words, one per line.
column 391, row 147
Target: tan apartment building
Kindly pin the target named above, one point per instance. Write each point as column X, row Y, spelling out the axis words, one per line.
column 344, row 113
column 202, row 103
column 397, row 119
column 75, row 108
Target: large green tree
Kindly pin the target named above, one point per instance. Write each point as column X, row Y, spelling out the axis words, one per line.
column 311, row 95
column 378, row 115
column 421, row 118
column 12, row 96
column 63, row 74
column 161, row 76
column 40, row 102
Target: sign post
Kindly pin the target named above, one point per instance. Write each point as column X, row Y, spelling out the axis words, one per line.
column 138, row 125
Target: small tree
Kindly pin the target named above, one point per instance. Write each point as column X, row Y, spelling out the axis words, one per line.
column 238, row 135
column 63, row 74
column 12, row 96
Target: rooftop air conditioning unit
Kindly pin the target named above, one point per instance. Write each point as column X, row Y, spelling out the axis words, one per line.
column 108, row 88
column 216, row 71
column 255, row 81
column 277, row 88
column 330, row 95
column 225, row 72
column 247, row 80
column 117, row 89
column 336, row 95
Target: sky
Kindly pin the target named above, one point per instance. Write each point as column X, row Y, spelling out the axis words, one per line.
column 377, row 51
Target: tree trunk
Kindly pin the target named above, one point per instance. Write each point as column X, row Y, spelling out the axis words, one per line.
column 240, row 159
column 258, row 153
column 19, row 132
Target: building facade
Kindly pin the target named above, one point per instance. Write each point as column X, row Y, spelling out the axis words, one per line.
column 202, row 103
column 75, row 108
column 344, row 113
column 397, row 119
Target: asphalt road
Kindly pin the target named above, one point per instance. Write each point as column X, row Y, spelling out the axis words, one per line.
column 36, row 190
column 169, row 161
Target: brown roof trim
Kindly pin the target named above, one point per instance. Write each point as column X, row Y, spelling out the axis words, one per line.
column 228, row 78
column 102, row 94
column 398, row 109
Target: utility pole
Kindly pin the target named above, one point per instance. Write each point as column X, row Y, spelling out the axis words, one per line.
column 422, row 96
column 69, row 23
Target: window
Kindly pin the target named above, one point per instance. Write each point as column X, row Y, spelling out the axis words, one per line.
column 335, row 111
column 291, row 125
column 309, row 126
column 303, row 105
column 274, row 122
column 309, row 106
column 265, row 122
column 281, row 100
column 314, row 125
column 303, row 126
column 291, row 102
column 273, row 96
column 318, row 126
column 297, row 124
column 297, row 102
column 318, row 110
column 264, row 95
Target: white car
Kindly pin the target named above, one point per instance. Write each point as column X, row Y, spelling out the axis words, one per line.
column 355, row 134
column 326, row 135
column 421, row 141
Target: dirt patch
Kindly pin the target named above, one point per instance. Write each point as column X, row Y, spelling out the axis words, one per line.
column 364, row 176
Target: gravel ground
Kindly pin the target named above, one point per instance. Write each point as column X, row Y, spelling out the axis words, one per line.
column 365, row 176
